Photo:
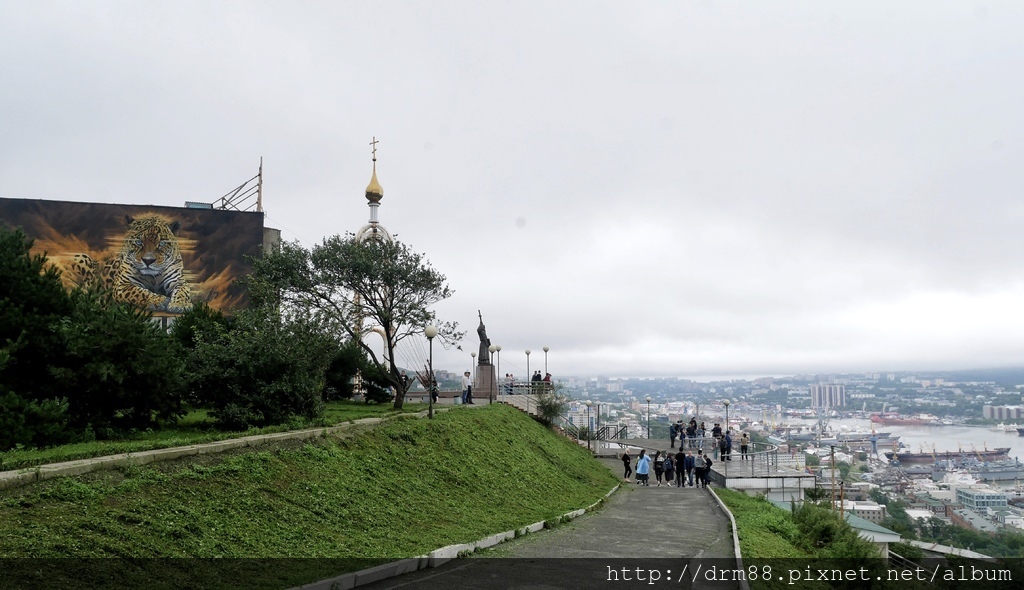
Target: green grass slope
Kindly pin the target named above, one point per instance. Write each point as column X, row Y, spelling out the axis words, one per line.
column 193, row 428
column 397, row 490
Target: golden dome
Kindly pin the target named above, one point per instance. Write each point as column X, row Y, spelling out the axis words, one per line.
column 374, row 192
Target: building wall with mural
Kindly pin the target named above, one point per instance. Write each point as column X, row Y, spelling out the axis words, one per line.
column 165, row 259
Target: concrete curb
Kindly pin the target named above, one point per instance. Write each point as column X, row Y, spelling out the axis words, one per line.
column 744, row 585
column 448, row 553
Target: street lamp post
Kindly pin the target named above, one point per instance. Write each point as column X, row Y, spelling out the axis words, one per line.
column 497, row 359
column 430, row 332
column 648, row 417
column 833, row 453
column 546, row 349
column 472, row 363
column 490, row 389
column 726, row 402
column 589, row 433
column 529, row 375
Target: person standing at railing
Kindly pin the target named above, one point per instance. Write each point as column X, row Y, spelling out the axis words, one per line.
column 744, row 441
column 509, row 380
column 467, row 389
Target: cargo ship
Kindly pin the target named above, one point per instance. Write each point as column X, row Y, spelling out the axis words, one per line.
column 1001, row 471
column 892, row 419
column 909, row 457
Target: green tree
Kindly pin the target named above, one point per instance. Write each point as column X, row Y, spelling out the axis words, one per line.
column 27, row 421
column 189, row 327
column 123, row 372
column 33, row 302
column 75, row 362
column 259, row 369
column 817, row 494
column 358, row 288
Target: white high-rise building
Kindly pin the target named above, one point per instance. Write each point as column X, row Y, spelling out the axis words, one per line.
column 824, row 395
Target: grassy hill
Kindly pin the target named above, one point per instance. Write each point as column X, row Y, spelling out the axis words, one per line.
column 396, row 490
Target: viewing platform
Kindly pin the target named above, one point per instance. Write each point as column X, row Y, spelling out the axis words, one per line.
column 764, row 471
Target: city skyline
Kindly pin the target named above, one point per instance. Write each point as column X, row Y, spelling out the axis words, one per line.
column 647, row 189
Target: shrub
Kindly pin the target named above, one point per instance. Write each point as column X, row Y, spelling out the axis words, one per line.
column 551, row 405
column 259, row 371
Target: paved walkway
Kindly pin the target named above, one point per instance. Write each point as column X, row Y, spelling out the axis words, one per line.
column 659, row 526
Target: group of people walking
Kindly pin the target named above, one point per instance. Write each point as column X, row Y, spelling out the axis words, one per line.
column 683, row 469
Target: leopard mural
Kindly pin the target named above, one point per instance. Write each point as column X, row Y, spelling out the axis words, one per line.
column 147, row 271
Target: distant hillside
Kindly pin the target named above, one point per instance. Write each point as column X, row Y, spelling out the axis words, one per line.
column 1008, row 376
column 398, row 490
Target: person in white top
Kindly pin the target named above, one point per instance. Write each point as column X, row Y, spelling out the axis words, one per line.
column 467, row 389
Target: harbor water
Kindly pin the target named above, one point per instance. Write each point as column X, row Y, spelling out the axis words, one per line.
column 938, row 438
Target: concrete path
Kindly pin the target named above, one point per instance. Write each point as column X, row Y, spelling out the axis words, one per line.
column 662, row 527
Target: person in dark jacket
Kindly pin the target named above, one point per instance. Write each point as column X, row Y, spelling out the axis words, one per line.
column 681, row 468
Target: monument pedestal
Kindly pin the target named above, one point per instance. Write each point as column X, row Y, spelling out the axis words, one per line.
column 485, row 386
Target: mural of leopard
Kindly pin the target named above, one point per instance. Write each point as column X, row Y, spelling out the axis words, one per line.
column 147, row 270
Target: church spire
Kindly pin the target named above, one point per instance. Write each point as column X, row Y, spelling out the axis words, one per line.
column 374, row 191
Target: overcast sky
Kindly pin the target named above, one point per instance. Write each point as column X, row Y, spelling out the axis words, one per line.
column 648, row 188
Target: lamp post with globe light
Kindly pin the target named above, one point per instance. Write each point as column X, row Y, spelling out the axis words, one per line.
column 430, row 332
column 546, row 349
column 529, row 376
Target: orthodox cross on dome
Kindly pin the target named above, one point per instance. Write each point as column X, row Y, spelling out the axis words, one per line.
column 374, row 194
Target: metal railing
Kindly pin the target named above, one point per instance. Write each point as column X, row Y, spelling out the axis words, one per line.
column 525, row 387
column 897, row 560
column 761, row 459
column 610, row 433
column 570, row 429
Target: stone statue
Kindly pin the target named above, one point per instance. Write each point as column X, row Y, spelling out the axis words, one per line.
column 485, row 342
